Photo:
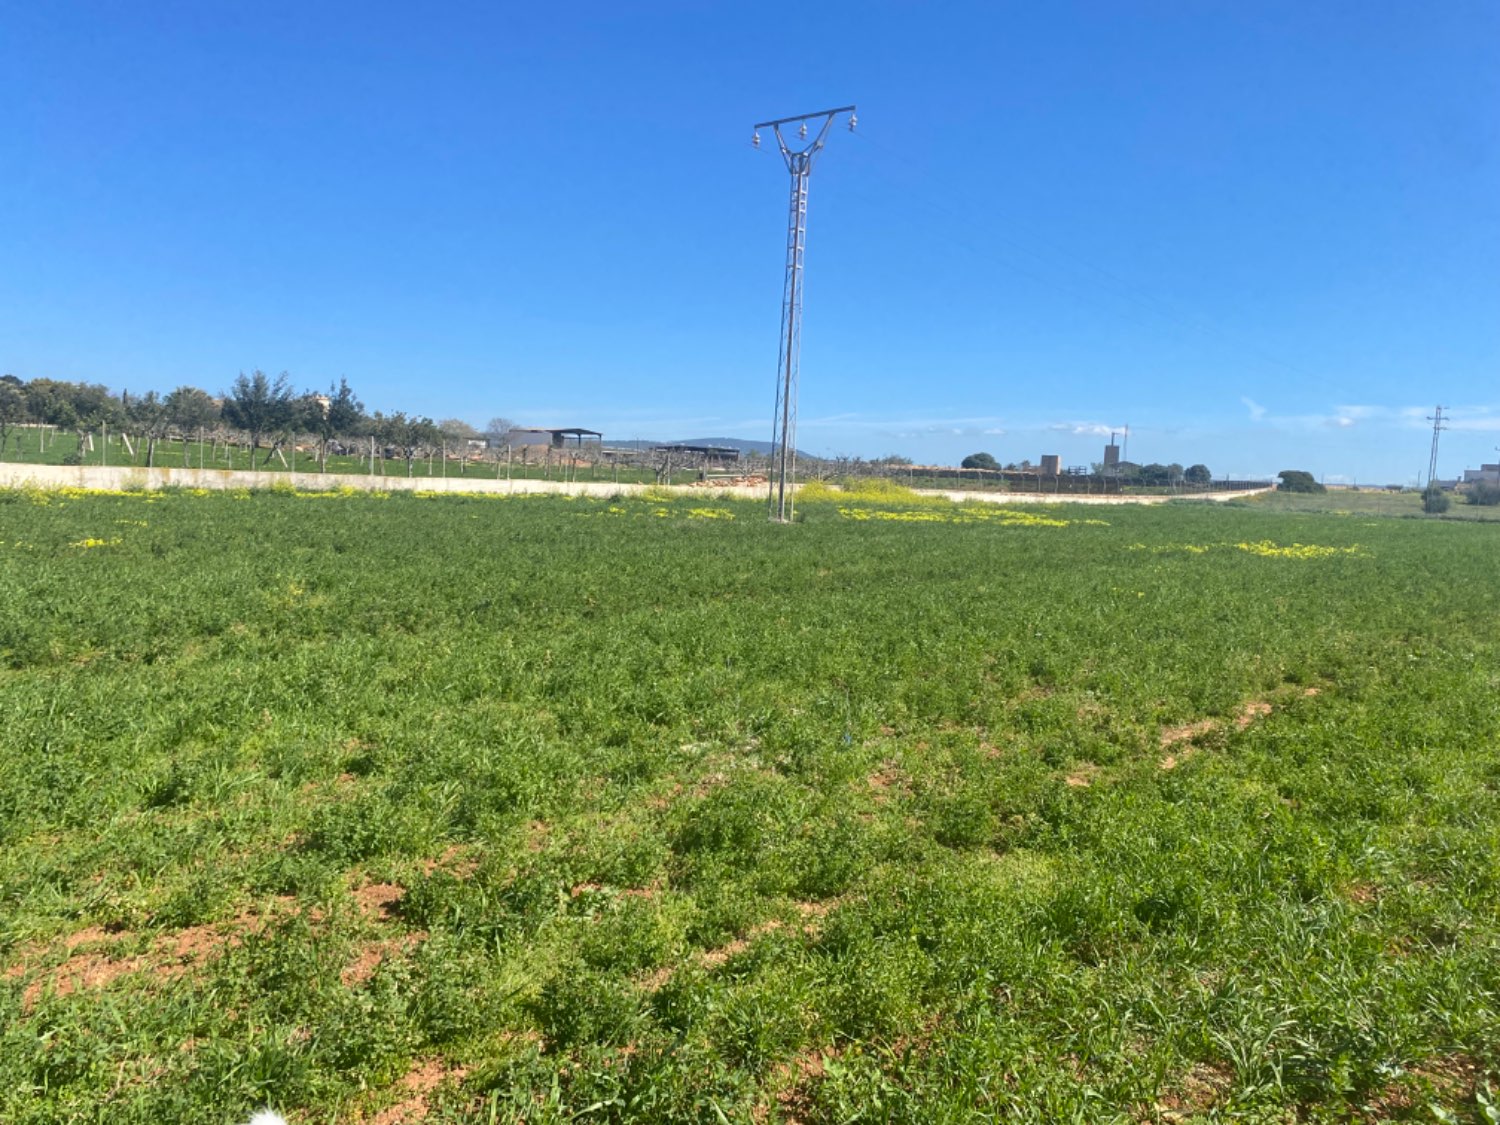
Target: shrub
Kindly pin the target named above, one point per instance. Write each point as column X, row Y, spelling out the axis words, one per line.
column 1484, row 494
column 1297, row 480
column 1434, row 500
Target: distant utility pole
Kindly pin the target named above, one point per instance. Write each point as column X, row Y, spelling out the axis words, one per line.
column 1438, row 427
column 799, row 162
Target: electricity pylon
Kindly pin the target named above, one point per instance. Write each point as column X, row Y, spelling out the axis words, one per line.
column 1438, row 427
column 799, row 162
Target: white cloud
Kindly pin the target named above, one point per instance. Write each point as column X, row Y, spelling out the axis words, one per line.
column 1086, row 429
column 1257, row 411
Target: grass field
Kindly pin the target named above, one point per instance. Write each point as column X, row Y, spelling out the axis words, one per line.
column 1344, row 502
column 450, row 809
column 30, row 446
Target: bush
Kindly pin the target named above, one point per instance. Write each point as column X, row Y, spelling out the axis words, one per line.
column 980, row 461
column 1434, row 500
column 1296, row 480
column 72, row 458
column 1484, row 494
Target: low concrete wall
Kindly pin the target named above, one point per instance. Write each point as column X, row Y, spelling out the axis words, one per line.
column 1065, row 498
column 115, row 478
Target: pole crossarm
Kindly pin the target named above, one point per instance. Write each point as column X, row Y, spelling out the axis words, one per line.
column 803, row 117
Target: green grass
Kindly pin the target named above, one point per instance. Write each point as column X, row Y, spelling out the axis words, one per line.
column 30, row 446
column 1368, row 503
column 651, row 810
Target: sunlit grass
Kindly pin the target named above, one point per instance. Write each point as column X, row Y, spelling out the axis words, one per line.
column 649, row 809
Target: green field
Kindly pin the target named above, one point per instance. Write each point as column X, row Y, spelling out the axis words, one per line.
column 448, row 809
column 1345, row 502
column 29, row 445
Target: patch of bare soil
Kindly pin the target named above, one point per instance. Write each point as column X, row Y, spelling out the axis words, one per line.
column 373, row 954
column 416, row 1085
column 94, row 959
column 1251, row 713
column 1201, row 1089
column 455, row 860
column 377, row 900
column 889, row 776
column 1082, row 776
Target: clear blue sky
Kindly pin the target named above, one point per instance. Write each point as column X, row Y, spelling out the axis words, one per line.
column 1264, row 234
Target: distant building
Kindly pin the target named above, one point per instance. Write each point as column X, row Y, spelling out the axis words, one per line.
column 1485, row 474
column 1111, row 457
column 1051, row 464
column 718, row 454
column 546, row 436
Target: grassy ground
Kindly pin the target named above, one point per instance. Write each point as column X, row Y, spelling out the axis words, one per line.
column 28, row 446
column 1362, row 503
column 542, row 809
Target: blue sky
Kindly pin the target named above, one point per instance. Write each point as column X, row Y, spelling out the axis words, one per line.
column 1263, row 234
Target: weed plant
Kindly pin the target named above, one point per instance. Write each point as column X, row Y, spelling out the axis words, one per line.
column 549, row 809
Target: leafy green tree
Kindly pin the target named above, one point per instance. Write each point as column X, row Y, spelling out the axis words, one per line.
column 190, row 410
column 337, row 414
column 411, row 436
column 1485, row 494
column 980, row 461
column 12, row 411
column 1197, row 474
column 1296, row 480
column 259, row 405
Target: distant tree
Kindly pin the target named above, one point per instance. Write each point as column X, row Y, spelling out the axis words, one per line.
column 147, row 415
column 336, row 414
column 498, row 429
column 259, row 405
column 1434, row 500
column 1198, row 474
column 1484, row 493
column 410, row 436
column 12, row 410
column 455, row 435
column 345, row 414
column 1296, row 480
column 980, row 461
column 189, row 409
column 893, row 460
column 456, row 429
column 1156, row 474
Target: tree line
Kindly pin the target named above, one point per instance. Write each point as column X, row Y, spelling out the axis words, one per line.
column 266, row 412
column 1152, row 474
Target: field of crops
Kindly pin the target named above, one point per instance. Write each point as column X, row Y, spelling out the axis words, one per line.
column 398, row 809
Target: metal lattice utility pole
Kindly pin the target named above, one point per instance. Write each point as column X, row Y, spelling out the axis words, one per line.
column 799, row 162
column 1437, row 428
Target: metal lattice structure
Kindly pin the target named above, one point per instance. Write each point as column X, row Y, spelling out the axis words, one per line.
column 1438, row 426
column 799, row 162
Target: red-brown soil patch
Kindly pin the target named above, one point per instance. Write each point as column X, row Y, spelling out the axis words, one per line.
column 94, row 959
column 425, row 1076
column 376, row 900
column 371, row 956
